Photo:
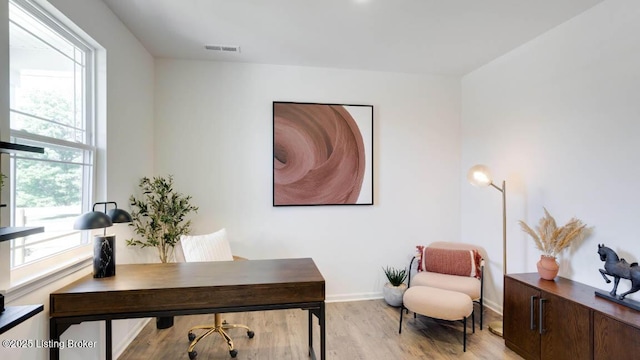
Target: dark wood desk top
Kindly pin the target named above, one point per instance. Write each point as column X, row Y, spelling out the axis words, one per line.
column 196, row 285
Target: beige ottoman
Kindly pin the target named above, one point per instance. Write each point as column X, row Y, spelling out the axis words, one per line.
column 439, row 304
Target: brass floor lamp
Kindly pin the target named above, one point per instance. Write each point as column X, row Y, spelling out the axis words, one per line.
column 479, row 175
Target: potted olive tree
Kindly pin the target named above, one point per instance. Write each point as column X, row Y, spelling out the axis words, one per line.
column 159, row 218
column 395, row 288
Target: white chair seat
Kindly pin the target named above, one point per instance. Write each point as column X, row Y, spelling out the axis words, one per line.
column 438, row 303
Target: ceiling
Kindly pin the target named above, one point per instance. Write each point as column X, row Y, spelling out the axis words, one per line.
column 448, row 37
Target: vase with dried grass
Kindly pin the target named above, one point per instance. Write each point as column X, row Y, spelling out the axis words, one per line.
column 551, row 240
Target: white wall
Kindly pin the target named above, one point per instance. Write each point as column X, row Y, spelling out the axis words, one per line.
column 558, row 119
column 128, row 107
column 214, row 134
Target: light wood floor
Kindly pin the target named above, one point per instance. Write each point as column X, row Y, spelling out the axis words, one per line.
column 366, row 330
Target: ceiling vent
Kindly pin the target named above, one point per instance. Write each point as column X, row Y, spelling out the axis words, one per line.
column 223, row 48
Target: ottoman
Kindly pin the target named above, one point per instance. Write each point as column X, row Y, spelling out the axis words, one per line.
column 439, row 304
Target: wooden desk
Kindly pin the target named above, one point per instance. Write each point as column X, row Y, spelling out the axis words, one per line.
column 151, row 290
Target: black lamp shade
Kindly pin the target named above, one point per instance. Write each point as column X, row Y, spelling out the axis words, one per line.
column 119, row 216
column 92, row 220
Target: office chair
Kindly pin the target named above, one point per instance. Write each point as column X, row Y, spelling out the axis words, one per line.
column 210, row 247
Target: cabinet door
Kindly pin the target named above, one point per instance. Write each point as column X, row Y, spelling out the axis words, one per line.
column 520, row 319
column 565, row 329
column 613, row 339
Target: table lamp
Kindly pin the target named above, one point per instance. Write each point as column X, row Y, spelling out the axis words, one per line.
column 104, row 251
column 479, row 175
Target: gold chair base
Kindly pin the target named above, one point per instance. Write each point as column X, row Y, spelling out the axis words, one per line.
column 219, row 327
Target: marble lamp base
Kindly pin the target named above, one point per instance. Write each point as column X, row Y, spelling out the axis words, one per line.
column 104, row 256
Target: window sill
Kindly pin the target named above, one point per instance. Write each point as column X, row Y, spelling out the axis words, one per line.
column 25, row 285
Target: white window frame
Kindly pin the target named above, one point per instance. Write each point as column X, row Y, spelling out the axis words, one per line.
column 34, row 274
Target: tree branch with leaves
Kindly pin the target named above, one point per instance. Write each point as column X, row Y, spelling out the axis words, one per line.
column 159, row 215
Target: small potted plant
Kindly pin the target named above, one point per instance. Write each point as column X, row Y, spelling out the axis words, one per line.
column 395, row 288
column 551, row 240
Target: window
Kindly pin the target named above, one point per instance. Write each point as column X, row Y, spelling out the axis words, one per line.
column 51, row 106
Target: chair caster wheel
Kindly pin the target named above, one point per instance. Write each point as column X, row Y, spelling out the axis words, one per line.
column 250, row 334
column 192, row 354
column 192, row 336
column 233, row 353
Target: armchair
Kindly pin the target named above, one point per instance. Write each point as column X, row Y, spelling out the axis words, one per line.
column 432, row 273
column 448, row 283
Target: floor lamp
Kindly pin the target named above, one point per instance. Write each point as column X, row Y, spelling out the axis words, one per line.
column 479, row 175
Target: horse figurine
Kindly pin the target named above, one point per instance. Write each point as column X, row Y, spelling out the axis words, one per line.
column 618, row 268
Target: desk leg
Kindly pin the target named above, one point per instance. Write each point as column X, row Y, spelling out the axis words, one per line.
column 311, row 354
column 108, row 346
column 323, row 343
column 320, row 313
column 323, row 349
column 54, row 351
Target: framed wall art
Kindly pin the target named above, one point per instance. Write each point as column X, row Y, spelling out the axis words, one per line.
column 322, row 154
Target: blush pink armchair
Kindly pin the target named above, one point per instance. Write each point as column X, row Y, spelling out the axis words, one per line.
column 447, row 284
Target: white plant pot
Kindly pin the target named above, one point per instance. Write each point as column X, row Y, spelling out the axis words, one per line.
column 393, row 294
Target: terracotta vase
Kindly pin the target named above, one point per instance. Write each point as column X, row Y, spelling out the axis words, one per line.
column 548, row 267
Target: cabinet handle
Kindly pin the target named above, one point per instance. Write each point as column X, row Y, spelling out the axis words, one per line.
column 542, row 329
column 532, row 322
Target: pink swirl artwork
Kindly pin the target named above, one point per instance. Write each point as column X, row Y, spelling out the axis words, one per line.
column 320, row 156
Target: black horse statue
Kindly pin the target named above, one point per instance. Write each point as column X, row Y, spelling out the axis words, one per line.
column 618, row 269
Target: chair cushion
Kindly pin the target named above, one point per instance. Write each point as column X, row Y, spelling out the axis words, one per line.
column 463, row 284
column 209, row 247
column 438, row 303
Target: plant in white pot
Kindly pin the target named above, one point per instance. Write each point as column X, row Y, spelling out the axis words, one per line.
column 395, row 288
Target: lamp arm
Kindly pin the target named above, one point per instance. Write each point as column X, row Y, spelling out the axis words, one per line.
column 498, row 188
column 105, row 203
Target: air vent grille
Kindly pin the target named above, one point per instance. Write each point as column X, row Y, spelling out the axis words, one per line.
column 223, row 48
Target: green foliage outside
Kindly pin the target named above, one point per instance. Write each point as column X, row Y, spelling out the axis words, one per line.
column 38, row 183
column 159, row 215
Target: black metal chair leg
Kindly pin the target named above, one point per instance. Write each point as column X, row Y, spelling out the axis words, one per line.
column 481, row 313
column 473, row 321
column 400, row 327
column 464, row 336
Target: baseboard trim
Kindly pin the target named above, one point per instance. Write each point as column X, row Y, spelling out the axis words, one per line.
column 378, row 295
column 133, row 333
column 493, row 306
column 353, row 297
